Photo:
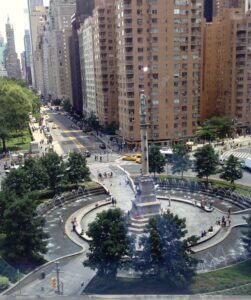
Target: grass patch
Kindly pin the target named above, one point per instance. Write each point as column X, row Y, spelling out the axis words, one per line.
column 135, row 286
column 234, row 276
column 242, row 290
column 226, row 278
column 19, row 141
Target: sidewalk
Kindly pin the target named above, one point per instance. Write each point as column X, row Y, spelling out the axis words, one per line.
column 39, row 136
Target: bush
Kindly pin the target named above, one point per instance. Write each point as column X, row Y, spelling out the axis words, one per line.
column 4, row 283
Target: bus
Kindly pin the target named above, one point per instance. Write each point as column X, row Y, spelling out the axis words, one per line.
column 168, row 154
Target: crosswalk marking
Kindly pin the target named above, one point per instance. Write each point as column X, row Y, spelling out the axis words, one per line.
column 239, row 154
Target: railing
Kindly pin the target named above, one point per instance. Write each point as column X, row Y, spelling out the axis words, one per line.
column 241, row 201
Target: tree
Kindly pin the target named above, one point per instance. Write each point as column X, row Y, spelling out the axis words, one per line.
column 206, row 161
column 109, row 244
column 93, row 121
column 206, row 133
column 223, row 126
column 36, row 175
column 181, row 160
column 23, row 229
column 16, row 182
column 54, row 166
column 78, row 169
column 231, row 171
column 156, row 160
column 67, row 105
column 16, row 101
column 111, row 128
column 166, row 254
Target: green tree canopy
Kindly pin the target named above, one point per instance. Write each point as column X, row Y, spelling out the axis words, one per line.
column 181, row 160
column 156, row 160
column 206, row 133
column 93, row 121
column 23, row 229
column 231, row 171
column 109, row 244
column 77, row 169
column 206, row 161
column 222, row 125
column 166, row 254
column 36, row 175
column 67, row 105
column 17, row 182
column 55, row 169
column 16, row 101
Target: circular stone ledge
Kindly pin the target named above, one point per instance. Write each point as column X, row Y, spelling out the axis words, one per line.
column 79, row 215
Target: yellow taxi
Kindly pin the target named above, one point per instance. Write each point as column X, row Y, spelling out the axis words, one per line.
column 128, row 158
column 138, row 161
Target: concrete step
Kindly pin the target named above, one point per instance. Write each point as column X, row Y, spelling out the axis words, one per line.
column 136, row 230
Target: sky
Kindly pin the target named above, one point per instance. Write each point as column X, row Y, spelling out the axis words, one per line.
column 15, row 9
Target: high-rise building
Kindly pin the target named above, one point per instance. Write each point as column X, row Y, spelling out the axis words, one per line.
column 104, row 16
column 87, row 63
column 227, row 75
column 83, row 10
column 2, row 50
column 3, row 72
column 159, row 50
column 12, row 63
column 28, row 56
column 32, row 4
column 38, row 19
column 60, row 13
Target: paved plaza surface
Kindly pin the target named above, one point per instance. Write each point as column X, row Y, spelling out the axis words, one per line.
column 226, row 245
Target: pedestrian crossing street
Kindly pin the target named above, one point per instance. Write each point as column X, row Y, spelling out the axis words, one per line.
column 240, row 153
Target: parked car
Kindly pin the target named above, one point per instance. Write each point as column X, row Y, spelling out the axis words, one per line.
column 102, row 146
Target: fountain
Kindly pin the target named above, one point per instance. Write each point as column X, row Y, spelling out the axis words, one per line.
column 145, row 205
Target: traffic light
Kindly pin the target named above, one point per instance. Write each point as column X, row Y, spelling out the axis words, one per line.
column 53, row 282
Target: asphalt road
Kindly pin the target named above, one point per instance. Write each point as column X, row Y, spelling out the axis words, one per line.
column 69, row 138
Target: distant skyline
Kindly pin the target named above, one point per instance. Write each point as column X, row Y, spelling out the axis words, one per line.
column 15, row 10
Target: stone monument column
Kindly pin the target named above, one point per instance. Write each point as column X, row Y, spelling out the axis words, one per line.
column 145, row 205
column 143, row 133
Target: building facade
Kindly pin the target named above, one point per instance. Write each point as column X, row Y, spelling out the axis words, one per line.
column 105, row 47
column 87, row 63
column 38, row 19
column 83, row 10
column 60, row 12
column 160, row 52
column 28, row 56
column 12, row 62
column 228, row 61
column 220, row 5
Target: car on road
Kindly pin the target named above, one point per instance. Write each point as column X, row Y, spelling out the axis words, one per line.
column 54, row 126
column 87, row 153
column 138, row 161
column 128, row 158
column 102, row 146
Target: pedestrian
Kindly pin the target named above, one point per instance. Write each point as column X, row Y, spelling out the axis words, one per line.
column 100, row 158
column 229, row 212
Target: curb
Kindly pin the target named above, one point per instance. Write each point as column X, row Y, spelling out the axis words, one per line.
column 38, row 270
